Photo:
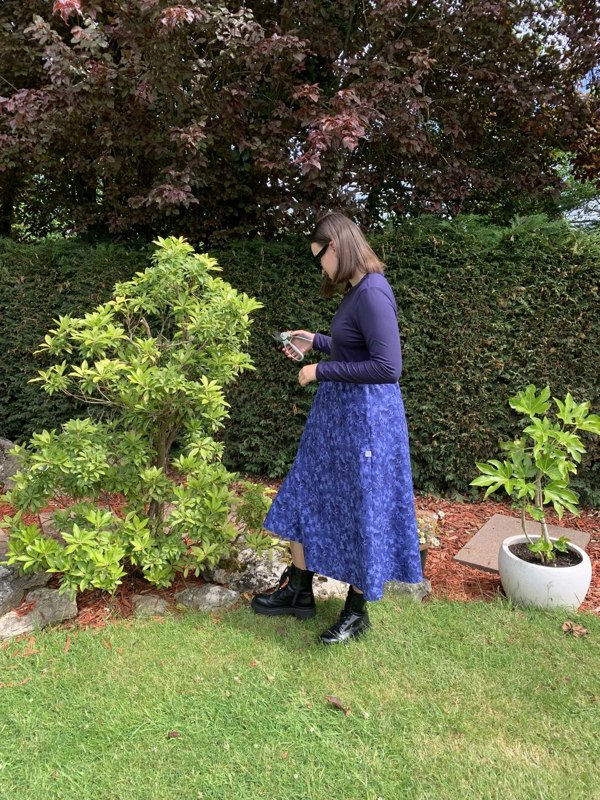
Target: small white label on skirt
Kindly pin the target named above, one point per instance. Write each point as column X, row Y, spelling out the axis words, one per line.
column 367, row 454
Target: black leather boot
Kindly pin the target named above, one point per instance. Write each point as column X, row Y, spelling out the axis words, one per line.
column 353, row 620
column 294, row 595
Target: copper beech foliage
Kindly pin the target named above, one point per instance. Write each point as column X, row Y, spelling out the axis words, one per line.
column 219, row 119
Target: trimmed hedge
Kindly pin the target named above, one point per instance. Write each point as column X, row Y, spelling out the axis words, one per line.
column 483, row 310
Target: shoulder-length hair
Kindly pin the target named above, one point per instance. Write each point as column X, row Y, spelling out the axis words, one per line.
column 354, row 253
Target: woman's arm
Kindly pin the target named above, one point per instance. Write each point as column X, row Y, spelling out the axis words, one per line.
column 322, row 343
column 376, row 318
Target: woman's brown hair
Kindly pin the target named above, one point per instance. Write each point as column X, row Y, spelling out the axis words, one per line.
column 353, row 251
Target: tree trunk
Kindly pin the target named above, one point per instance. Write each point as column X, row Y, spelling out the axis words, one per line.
column 165, row 442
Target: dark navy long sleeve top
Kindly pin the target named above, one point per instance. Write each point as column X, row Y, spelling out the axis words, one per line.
column 364, row 346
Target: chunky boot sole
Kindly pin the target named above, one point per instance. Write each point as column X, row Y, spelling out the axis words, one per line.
column 299, row 613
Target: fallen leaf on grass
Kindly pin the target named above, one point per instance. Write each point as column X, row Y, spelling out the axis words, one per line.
column 576, row 630
column 254, row 663
column 29, row 650
column 338, row 704
column 12, row 685
column 107, row 644
column 173, row 735
column 285, row 754
column 67, row 646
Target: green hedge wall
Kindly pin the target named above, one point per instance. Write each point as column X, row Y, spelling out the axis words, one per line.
column 483, row 311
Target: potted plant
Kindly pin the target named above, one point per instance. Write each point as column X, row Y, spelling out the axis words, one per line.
column 536, row 569
column 427, row 527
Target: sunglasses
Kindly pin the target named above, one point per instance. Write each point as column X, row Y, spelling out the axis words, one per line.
column 321, row 253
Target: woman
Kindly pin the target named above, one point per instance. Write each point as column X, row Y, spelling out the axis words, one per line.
column 347, row 504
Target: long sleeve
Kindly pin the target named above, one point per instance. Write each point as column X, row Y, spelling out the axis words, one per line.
column 376, row 319
column 322, row 343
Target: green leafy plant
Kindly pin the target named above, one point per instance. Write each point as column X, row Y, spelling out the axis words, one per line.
column 151, row 364
column 540, row 463
column 250, row 512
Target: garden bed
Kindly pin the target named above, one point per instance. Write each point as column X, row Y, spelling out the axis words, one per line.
column 449, row 579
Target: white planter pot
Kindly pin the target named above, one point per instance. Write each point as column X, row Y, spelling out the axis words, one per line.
column 538, row 585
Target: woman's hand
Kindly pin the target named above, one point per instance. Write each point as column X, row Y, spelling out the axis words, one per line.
column 307, row 374
column 304, row 344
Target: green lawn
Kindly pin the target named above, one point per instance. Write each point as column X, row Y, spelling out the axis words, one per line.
column 448, row 700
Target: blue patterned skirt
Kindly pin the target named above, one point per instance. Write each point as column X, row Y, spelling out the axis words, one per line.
column 348, row 497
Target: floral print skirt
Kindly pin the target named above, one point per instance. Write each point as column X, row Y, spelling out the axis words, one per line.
column 348, row 497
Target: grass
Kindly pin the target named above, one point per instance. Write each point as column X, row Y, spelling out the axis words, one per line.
column 448, row 700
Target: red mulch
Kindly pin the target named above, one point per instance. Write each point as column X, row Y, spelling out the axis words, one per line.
column 462, row 521
column 449, row 579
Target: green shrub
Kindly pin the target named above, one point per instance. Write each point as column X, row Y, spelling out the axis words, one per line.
column 154, row 361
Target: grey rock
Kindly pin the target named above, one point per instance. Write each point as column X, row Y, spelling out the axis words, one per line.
column 325, row 588
column 13, row 586
column 248, row 558
column 10, row 574
column 259, row 573
column 206, row 598
column 10, row 596
column 222, row 576
column 9, row 465
column 7, row 574
column 263, row 572
column 149, row 605
column 416, row 591
column 11, row 625
column 50, row 608
column 35, row 581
